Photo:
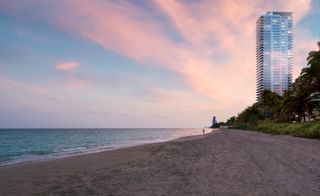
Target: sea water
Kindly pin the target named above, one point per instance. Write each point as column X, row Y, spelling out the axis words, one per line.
column 25, row 145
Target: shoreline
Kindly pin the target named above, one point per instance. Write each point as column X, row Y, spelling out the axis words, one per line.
column 224, row 162
column 101, row 149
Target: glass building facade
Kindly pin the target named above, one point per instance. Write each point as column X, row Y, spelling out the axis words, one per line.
column 274, row 44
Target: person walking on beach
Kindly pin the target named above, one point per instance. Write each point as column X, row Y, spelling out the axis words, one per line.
column 203, row 131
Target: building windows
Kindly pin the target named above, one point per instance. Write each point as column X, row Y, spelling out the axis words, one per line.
column 274, row 52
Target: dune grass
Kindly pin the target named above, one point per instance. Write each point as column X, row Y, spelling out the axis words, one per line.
column 306, row 130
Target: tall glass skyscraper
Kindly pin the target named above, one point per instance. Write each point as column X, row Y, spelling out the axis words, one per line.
column 274, row 52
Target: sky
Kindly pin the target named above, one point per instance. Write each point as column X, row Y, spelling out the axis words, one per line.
column 139, row 63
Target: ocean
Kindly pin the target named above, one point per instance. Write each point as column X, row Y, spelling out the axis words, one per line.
column 26, row 145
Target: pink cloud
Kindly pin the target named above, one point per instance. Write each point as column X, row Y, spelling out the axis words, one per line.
column 67, row 66
column 78, row 83
column 38, row 90
column 216, row 57
column 4, row 85
column 9, row 84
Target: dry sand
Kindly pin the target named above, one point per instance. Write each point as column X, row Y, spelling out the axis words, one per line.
column 228, row 162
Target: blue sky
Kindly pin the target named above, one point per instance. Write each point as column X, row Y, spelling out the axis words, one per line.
column 135, row 63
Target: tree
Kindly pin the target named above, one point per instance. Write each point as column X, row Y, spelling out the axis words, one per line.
column 305, row 96
column 299, row 101
column 311, row 74
column 231, row 121
column 250, row 115
column 270, row 104
column 315, row 100
column 286, row 116
column 309, row 83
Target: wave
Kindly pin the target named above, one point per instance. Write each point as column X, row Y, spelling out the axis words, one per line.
column 53, row 144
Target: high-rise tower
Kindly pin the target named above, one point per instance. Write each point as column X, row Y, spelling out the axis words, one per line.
column 274, row 52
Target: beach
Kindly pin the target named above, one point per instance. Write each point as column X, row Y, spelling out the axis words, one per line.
column 224, row 162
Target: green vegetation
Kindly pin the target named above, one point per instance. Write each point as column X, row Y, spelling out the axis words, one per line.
column 288, row 114
column 307, row 129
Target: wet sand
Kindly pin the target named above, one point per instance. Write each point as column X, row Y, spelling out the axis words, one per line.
column 225, row 162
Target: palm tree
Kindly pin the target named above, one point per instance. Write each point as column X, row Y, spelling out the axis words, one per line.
column 305, row 96
column 315, row 100
column 311, row 74
column 299, row 102
column 250, row 115
column 270, row 104
column 286, row 116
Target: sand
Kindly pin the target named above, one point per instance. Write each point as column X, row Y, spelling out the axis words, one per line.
column 226, row 162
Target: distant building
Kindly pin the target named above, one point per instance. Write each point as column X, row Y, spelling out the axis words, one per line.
column 274, row 43
column 214, row 121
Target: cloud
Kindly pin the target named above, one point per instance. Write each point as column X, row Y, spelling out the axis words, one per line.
column 10, row 84
column 67, row 66
column 107, row 24
column 160, row 116
column 61, row 97
column 38, row 90
column 213, row 50
column 218, row 38
column 4, row 85
column 95, row 113
column 77, row 83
